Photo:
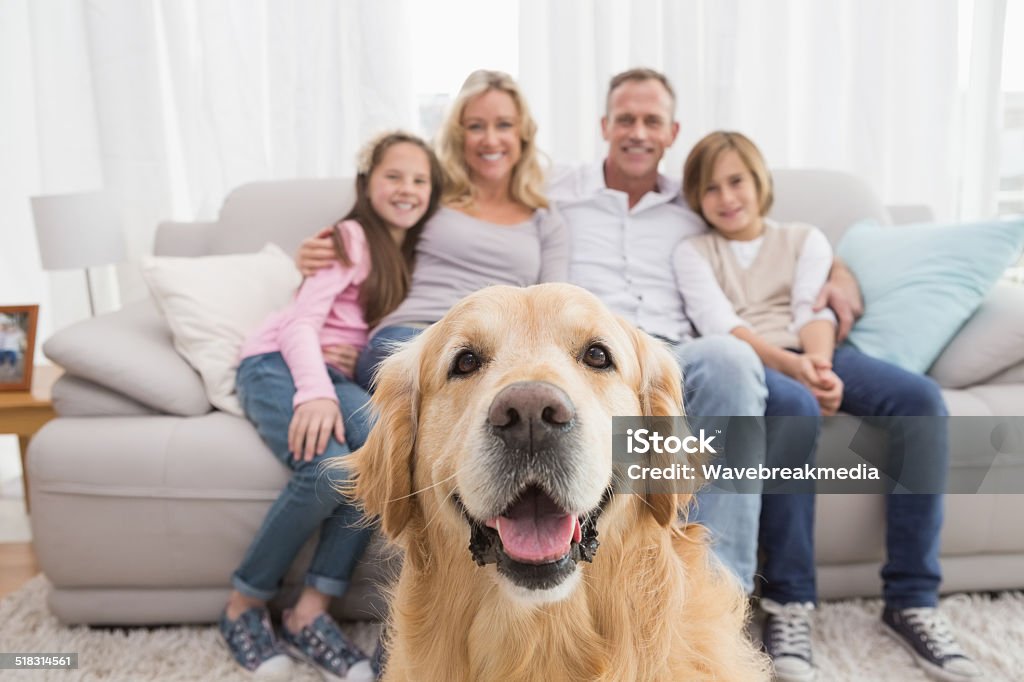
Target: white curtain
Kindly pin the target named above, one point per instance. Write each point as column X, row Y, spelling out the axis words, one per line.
column 169, row 104
column 867, row 86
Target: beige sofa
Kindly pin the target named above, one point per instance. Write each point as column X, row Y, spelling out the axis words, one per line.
column 144, row 498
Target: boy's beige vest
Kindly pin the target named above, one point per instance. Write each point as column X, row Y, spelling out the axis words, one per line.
column 762, row 294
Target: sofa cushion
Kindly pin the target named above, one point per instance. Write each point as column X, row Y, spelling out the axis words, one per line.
column 282, row 212
column 990, row 342
column 77, row 397
column 830, row 200
column 921, row 283
column 1013, row 375
column 131, row 352
column 213, row 303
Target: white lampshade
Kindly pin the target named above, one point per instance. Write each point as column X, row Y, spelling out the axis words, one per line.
column 77, row 230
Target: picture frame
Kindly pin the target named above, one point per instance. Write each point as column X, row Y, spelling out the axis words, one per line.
column 17, row 346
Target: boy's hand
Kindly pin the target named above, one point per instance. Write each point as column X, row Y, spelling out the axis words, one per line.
column 830, row 397
column 343, row 356
column 311, row 427
column 316, row 253
column 802, row 368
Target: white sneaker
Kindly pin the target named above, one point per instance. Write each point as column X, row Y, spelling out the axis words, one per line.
column 787, row 640
column 926, row 634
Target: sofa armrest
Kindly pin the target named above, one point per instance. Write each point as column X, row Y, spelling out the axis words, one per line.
column 131, row 352
column 991, row 341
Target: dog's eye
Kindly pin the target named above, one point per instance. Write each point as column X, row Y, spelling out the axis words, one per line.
column 598, row 357
column 466, row 362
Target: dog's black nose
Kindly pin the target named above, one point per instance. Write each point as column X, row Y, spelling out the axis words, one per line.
column 527, row 414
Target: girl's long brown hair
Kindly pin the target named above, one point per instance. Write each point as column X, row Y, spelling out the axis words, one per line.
column 390, row 266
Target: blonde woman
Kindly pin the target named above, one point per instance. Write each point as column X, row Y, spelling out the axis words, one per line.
column 495, row 225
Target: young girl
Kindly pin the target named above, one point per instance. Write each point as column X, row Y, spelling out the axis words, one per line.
column 757, row 280
column 309, row 412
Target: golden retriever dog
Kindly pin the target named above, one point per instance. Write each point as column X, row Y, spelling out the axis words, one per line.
column 491, row 467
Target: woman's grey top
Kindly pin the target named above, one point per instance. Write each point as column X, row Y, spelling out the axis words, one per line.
column 458, row 254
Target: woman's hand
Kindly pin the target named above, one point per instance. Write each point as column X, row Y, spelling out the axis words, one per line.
column 311, row 427
column 343, row 356
column 316, row 253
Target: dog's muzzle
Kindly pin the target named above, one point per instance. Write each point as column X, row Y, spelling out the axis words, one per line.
column 530, row 531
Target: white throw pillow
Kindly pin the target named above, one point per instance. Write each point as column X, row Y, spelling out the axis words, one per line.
column 213, row 303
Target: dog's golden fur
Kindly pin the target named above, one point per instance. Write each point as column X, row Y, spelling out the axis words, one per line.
column 651, row 606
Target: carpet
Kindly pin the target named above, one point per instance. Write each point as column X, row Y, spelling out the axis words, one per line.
column 848, row 645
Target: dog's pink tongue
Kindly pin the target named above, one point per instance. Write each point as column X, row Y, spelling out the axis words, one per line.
column 535, row 530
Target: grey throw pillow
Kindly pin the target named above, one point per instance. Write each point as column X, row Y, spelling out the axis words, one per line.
column 131, row 352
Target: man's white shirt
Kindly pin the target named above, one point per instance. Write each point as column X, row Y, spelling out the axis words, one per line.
column 623, row 255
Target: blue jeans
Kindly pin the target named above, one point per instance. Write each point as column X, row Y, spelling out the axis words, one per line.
column 310, row 500
column 383, row 344
column 911, row 575
column 723, row 377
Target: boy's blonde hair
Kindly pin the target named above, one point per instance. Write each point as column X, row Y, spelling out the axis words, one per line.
column 527, row 185
column 700, row 164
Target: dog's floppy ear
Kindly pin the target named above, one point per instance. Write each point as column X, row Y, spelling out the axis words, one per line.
column 383, row 466
column 661, row 395
column 661, row 381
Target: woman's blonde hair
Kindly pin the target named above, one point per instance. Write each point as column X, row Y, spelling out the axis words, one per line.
column 700, row 165
column 527, row 185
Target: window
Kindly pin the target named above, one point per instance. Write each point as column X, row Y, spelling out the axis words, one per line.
column 1010, row 195
column 1010, row 198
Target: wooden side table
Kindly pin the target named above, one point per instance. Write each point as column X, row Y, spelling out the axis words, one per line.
column 24, row 412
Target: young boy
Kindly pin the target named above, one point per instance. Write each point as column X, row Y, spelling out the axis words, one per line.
column 757, row 280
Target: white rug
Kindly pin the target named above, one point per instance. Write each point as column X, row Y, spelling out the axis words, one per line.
column 848, row 645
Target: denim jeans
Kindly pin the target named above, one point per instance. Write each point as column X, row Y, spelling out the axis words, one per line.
column 310, row 500
column 383, row 344
column 911, row 575
column 723, row 377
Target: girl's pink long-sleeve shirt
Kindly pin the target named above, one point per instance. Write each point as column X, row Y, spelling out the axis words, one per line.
column 325, row 312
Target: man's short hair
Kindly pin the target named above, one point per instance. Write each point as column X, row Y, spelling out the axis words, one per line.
column 638, row 75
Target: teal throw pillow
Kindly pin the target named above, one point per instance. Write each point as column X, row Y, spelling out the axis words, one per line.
column 922, row 282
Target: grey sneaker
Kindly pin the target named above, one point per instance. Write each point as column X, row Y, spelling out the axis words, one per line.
column 787, row 640
column 926, row 634
column 251, row 641
column 325, row 646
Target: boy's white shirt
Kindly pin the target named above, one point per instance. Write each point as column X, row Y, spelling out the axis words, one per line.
column 712, row 312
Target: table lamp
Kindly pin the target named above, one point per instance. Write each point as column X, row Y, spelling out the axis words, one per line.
column 77, row 231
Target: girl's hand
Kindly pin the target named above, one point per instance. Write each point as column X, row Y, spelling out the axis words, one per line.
column 831, row 397
column 316, row 252
column 311, row 427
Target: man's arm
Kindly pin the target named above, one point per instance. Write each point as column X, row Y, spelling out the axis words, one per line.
column 842, row 294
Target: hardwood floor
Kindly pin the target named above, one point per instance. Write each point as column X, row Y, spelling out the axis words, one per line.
column 17, row 566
